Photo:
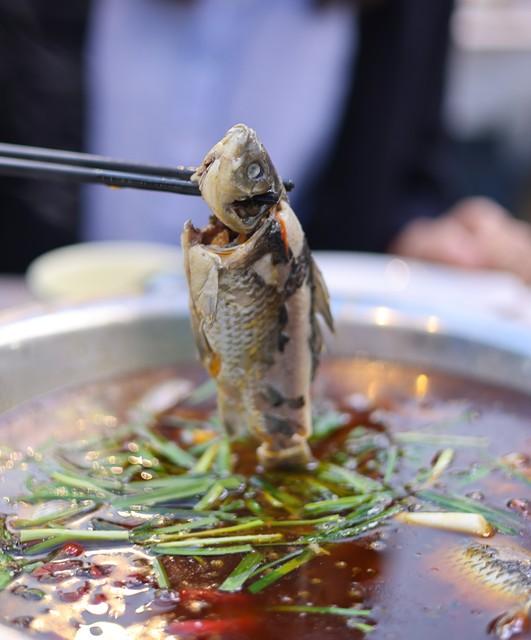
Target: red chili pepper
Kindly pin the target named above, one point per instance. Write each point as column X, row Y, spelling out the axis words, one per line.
column 57, row 571
column 96, row 598
column 212, row 596
column 76, row 594
column 206, row 628
column 71, row 549
column 97, row 571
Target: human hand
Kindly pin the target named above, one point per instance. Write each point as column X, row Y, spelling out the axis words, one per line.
column 476, row 233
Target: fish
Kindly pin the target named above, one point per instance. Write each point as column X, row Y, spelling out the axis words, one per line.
column 500, row 572
column 255, row 294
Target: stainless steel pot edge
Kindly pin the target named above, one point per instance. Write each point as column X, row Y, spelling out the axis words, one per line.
column 40, row 353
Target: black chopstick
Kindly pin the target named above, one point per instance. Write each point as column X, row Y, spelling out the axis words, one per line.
column 75, row 158
column 24, row 168
column 37, row 162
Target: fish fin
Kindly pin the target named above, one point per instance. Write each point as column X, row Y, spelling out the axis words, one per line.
column 203, row 281
column 321, row 296
column 206, row 353
column 202, row 275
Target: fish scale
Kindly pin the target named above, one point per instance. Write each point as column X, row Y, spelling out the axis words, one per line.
column 236, row 330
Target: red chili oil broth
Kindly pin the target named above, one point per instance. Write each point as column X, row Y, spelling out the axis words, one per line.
column 406, row 575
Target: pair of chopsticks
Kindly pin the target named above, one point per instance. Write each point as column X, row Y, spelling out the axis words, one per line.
column 37, row 162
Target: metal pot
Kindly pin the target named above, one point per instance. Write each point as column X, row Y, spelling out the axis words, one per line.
column 42, row 353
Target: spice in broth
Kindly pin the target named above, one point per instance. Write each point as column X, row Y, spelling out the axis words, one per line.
column 132, row 516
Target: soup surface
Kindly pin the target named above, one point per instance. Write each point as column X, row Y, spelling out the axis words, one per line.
column 107, row 536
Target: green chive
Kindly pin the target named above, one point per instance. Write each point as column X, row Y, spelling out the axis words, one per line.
column 165, row 494
column 420, row 437
column 342, row 533
column 390, row 464
column 336, row 505
column 257, row 538
column 211, row 497
column 207, row 459
column 325, row 424
column 160, row 574
column 48, row 545
column 282, row 570
column 251, row 524
column 224, row 458
column 243, row 571
column 345, row 477
column 28, row 535
column 79, row 483
column 303, row 523
column 202, row 551
column 54, row 516
column 336, row 611
column 169, row 450
column 254, row 507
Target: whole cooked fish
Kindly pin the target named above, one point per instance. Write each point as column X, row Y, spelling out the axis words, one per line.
column 254, row 295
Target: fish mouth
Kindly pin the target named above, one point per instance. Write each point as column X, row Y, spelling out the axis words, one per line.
column 250, row 210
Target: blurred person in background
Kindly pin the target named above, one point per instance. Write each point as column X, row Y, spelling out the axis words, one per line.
column 345, row 94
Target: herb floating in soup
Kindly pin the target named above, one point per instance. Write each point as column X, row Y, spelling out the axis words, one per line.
column 414, row 520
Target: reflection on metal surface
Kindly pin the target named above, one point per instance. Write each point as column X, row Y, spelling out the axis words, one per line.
column 382, row 316
column 421, row 386
column 397, row 274
column 433, row 324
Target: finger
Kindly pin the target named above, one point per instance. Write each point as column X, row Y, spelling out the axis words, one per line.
column 443, row 240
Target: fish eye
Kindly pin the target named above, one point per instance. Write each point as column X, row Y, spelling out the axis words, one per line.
column 254, row 171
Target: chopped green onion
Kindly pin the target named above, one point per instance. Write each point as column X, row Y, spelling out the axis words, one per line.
column 160, row 574
column 165, row 494
column 79, row 482
column 250, row 524
column 54, row 516
column 280, row 571
column 303, row 523
column 47, row 545
column 390, row 463
column 207, row 459
column 243, row 571
column 170, row 450
column 202, row 551
column 257, row 538
column 443, row 461
column 336, row 611
column 211, row 497
column 336, row 505
column 345, row 477
column 224, row 458
column 28, row 535
column 420, row 437
column 327, row 423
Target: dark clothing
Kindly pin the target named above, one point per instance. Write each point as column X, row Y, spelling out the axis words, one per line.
column 387, row 166
column 41, row 104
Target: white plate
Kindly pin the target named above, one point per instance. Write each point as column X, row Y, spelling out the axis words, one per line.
column 99, row 269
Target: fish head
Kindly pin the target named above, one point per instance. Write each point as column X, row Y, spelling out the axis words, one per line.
column 238, row 180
